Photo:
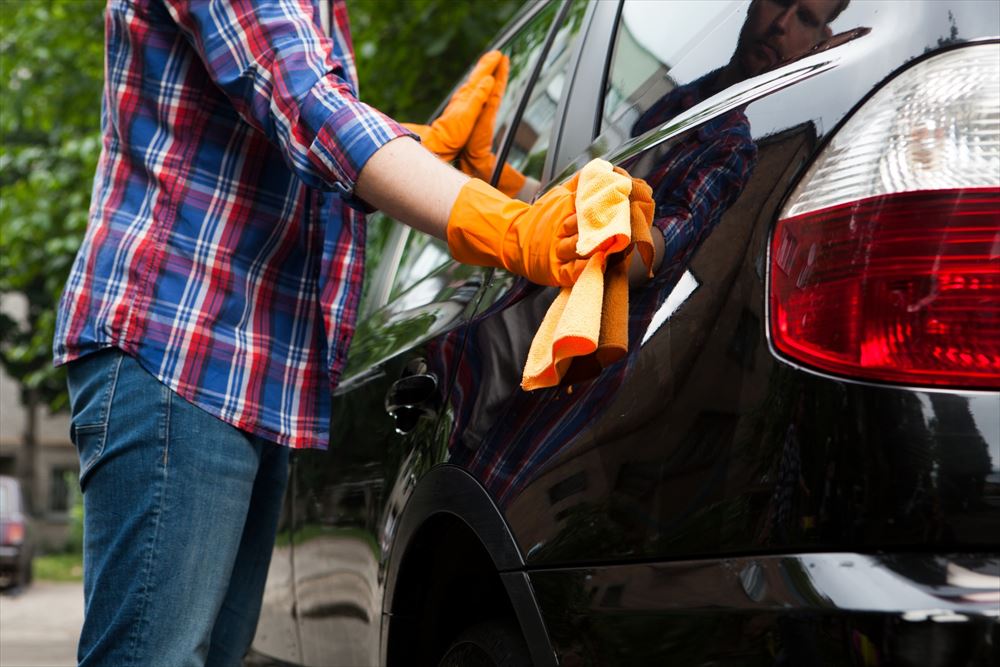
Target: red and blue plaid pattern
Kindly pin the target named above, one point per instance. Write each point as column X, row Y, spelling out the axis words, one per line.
column 225, row 251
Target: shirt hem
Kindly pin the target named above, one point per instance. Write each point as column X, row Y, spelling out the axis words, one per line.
column 71, row 354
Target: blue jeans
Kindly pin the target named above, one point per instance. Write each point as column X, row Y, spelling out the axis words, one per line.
column 180, row 514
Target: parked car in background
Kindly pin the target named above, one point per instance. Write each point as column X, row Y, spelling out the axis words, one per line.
column 798, row 461
column 16, row 543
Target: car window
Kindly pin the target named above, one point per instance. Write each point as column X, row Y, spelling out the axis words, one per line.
column 658, row 42
column 397, row 259
column 669, row 56
column 529, row 143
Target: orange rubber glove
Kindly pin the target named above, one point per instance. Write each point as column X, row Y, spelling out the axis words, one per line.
column 537, row 241
column 449, row 133
column 477, row 159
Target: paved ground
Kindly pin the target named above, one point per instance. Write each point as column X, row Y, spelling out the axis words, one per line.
column 39, row 626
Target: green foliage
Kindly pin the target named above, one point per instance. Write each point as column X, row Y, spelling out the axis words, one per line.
column 51, row 67
column 59, row 567
column 411, row 52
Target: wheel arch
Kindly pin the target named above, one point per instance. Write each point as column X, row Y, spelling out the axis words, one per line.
column 451, row 526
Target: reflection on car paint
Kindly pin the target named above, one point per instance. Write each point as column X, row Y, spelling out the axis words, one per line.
column 653, row 502
column 684, row 288
column 849, row 609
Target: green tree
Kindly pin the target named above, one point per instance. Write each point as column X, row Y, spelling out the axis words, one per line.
column 411, row 52
column 50, row 84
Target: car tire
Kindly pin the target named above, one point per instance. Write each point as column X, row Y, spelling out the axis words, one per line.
column 493, row 643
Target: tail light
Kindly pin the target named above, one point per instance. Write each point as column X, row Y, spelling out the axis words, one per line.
column 13, row 533
column 885, row 262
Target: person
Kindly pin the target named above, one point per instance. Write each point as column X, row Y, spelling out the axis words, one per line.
column 210, row 307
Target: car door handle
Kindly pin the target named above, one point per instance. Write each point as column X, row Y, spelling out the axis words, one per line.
column 410, row 398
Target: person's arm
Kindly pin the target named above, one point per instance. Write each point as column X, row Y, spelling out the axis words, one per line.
column 273, row 62
column 277, row 68
column 702, row 191
column 481, row 225
column 407, row 182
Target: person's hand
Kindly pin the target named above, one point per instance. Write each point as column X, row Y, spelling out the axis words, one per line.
column 537, row 241
column 641, row 208
column 477, row 159
column 449, row 133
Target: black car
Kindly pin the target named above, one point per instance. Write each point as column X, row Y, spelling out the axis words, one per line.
column 16, row 543
column 798, row 460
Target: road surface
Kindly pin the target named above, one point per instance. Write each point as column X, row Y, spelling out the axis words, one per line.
column 39, row 626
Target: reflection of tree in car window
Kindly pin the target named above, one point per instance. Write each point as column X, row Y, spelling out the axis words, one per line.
column 421, row 254
column 523, row 51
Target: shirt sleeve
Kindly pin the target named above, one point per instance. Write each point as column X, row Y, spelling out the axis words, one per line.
column 272, row 60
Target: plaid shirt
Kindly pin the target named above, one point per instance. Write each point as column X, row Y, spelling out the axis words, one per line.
column 225, row 251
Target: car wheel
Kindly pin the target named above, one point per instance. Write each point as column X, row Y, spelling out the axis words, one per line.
column 27, row 573
column 493, row 643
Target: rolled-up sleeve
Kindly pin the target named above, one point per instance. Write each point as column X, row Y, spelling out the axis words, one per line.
column 272, row 60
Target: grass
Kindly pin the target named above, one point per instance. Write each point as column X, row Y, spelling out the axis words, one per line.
column 59, row 567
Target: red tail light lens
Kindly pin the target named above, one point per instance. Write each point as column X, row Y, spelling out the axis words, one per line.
column 900, row 287
column 885, row 261
column 13, row 533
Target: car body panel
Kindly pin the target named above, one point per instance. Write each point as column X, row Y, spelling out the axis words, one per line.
column 688, row 473
column 661, row 457
column 348, row 500
column 810, row 609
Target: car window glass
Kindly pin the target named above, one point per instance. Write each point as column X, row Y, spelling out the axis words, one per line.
column 422, row 254
column 671, row 55
column 530, row 140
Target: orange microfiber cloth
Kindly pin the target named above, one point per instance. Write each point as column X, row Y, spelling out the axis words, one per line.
column 588, row 322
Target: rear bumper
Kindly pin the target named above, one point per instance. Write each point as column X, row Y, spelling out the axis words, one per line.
column 9, row 554
column 832, row 608
column 11, row 559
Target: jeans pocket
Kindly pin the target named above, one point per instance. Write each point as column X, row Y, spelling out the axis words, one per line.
column 89, row 441
column 92, row 382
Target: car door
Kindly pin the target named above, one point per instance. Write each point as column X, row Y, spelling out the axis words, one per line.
column 385, row 428
column 691, row 446
column 562, row 458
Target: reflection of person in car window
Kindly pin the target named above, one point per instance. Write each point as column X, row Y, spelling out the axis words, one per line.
column 774, row 32
column 700, row 175
column 777, row 31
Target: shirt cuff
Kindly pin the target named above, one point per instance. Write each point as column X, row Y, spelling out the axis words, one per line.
column 356, row 131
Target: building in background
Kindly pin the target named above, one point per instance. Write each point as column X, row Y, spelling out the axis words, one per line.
column 49, row 468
